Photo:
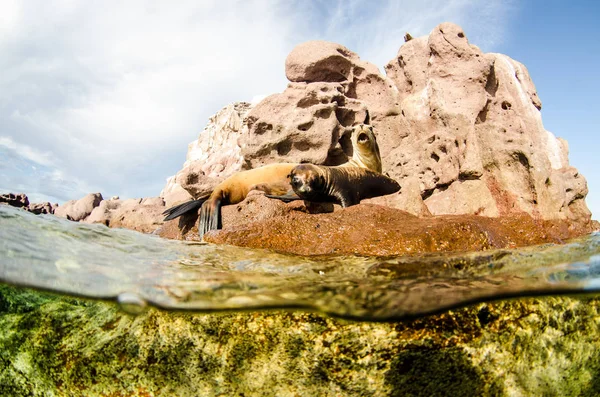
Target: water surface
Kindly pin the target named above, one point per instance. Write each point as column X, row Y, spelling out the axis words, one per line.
column 93, row 261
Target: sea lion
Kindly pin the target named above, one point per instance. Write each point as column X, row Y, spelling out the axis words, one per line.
column 273, row 180
column 343, row 185
column 365, row 150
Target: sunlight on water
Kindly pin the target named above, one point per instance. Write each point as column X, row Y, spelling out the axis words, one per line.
column 136, row 270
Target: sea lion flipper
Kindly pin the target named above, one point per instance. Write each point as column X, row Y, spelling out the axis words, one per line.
column 210, row 217
column 287, row 197
column 178, row 210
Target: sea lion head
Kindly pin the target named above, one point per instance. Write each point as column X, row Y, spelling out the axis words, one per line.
column 307, row 180
column 366, row 150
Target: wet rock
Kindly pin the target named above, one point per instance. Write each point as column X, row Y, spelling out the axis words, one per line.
column 368, row 229
column 77, row 210
column 57, row 345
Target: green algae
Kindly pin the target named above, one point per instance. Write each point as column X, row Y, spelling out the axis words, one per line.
column 53, row 346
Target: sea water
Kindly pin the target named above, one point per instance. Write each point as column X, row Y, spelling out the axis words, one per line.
column 136, row 270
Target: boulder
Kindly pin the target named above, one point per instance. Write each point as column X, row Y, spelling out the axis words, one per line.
column 77, row 210
column 142, row 215
column 42, row 208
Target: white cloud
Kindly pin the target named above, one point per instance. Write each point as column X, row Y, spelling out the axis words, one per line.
column 29, row 153
column 110, row 93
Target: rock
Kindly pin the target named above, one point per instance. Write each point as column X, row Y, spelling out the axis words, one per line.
column 77, row 210
column 194, row 180
column 368, row 229
column 103, row 212
column 142, row 218
column 18, row 200
column 173, row 193
column 461, row 127
column 142, row 215
column 42, row 208
column 506, row 348
column 476, row 117
column 300, row 125
column 256, row 207
column 215, row 155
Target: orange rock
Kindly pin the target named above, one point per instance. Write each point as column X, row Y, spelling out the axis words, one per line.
column 368, row 229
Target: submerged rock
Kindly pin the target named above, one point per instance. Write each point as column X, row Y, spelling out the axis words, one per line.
column 59, row 345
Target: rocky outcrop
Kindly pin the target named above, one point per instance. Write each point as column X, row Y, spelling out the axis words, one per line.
column 215, row 155
column 371, row 230
column 58, row 345
column 477, row 141
column 20, row 200
column 42, row 208
column 461, row 127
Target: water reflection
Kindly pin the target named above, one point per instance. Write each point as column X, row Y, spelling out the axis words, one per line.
column 134, row 269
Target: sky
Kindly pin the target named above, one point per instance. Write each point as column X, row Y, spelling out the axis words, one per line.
column 104, row 96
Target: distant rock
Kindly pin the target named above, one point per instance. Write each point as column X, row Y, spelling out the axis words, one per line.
column 18, row 200
column 142, row 215
column 42, row 208
column 77, row 210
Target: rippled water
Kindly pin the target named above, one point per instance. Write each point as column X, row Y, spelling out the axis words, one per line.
column 136, row 270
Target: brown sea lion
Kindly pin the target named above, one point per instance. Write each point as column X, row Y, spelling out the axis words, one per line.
column 343, row 185
column 365, row 150
column 232, row 191
column 273, row 180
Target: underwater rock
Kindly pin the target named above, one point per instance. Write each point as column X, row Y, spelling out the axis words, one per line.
column 368, row 229
column 53, row 345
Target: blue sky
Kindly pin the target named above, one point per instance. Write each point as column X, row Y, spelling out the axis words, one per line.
column 105, row 96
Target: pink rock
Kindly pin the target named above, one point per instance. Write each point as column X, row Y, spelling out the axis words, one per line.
column 77, row 210
column 460, row 129
column 42, row 208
